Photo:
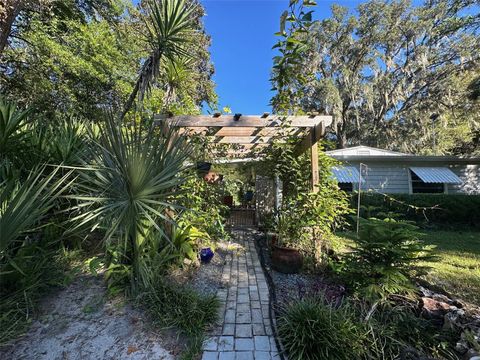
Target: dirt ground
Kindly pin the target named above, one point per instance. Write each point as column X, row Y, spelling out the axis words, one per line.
column 80, row 322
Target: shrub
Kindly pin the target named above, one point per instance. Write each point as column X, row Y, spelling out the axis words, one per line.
column 181, row 307
column 395, row 332
column 306, row 218
column 384, row 258
column 442, row 210
column 128, row 189
column 310, row 329
column 204, row 207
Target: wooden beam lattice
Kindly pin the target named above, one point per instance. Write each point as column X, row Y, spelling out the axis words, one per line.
column 252, row 132
column 256, row 121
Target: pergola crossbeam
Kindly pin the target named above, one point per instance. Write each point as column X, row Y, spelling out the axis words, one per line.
column 305, row 121
column 246, row 133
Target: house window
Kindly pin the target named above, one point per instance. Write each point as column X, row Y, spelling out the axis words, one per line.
column 348, row 187
column 421, row 187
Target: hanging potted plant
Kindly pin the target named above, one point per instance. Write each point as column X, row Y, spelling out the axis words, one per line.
column 286, row 258
column 203, row 167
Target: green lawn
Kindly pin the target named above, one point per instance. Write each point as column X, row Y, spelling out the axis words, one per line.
column 457, row 267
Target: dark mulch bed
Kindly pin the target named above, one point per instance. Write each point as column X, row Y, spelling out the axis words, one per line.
column 290, row 287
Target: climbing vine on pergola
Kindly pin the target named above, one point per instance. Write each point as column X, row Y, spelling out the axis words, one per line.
column 252, row 132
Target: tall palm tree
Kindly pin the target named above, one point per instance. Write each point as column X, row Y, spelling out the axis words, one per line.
column 169, row 26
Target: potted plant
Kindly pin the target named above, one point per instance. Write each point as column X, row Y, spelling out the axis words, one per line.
column 228, row 200
column 203, row 167
column 248, row 195
column 285, row 258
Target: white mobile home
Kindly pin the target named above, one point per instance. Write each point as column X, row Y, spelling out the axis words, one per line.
column 393, row 172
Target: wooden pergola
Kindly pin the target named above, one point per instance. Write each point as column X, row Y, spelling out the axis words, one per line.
column 248, row 132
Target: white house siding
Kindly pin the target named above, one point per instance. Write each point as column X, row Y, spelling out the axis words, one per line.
column 394, row 178
column 470, row 175
column 385, row 178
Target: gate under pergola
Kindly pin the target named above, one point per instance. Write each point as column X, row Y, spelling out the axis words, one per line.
column 249, row 132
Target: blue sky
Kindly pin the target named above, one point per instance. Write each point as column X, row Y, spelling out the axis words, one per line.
column 242, row 39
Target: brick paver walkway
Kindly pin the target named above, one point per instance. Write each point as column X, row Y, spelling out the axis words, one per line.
column 245, row 332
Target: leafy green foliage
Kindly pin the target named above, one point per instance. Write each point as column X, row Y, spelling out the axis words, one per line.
column 311, row 329
column 169, row 24
column 293, row 47
column 386, row 254
column 11, row 135
column 306, row 217
column 23, row 206
column 171, row 305
column 60, row 142
column 452, row 210
column 74, row 66
column 184, row 241
column 126, row 190
column 181, row 307
column 203, row 206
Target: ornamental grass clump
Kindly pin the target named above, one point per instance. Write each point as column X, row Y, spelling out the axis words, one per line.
column 311, row 329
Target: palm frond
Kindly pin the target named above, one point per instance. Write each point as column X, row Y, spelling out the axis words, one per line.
column 136, row 171
column 25, row 205
column 169, row 24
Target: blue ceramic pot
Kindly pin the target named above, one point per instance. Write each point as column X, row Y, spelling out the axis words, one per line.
column 248, row 196
column 206, row 255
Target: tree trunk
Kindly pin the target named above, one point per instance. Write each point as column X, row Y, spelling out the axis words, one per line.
column 131, row 99
column 341, row 137
column 10, row 8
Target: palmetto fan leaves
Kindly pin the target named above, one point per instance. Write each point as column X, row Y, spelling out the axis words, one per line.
column 126, row 192
column 169, row 24
column 11, row 122
column 23, row 206
column 176, row 73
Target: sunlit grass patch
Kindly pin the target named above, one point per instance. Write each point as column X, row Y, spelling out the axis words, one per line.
column 457, row 270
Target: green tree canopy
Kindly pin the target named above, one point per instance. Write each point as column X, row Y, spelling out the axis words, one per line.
column 82, row 57
column 386, row 68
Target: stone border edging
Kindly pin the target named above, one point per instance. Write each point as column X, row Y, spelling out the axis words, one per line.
column 273, row 300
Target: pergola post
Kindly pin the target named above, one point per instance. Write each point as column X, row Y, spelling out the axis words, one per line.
column 315, row 134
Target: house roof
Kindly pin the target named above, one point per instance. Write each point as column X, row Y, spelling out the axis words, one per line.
column 371, row 154
column 365, row 151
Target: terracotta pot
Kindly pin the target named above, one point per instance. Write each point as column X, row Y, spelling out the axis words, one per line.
column 228, row 200
column 286, row 260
